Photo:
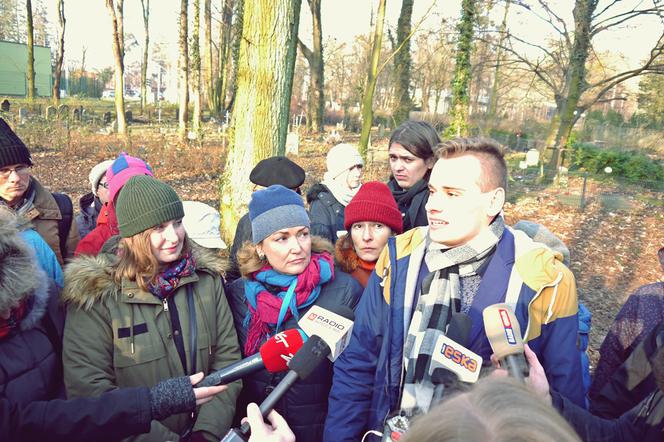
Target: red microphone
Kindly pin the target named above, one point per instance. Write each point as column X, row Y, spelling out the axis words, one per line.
column 273, row 355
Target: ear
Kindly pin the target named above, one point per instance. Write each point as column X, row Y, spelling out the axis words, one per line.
column 429, row 162
column 496, row 202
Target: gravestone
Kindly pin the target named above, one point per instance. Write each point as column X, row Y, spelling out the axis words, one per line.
column 107, row 117
column 63, row 112
column 77, row 114
column 22, row 115
column 292, row 143
column 4, row 106
column 129, row 116
column 532, row 157
column 51, row 113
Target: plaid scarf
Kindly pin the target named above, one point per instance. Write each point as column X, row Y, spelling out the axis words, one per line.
column 167, row 281
column 440, row 298
column 268, row 311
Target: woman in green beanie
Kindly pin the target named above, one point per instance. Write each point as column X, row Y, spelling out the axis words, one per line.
column 134, row 317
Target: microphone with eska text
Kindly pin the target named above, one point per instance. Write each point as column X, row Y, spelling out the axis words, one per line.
column 273, row 355
column 504, row 334
column 304, row 362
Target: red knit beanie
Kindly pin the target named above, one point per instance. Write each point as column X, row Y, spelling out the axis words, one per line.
column 374, row 202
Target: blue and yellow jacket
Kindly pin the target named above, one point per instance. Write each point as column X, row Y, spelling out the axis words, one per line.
column 523, row 273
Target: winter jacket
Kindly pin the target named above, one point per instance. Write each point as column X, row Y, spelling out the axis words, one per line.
column 45, row 215
column 638, row 317
column 643, row 423
column 89, row 207
column 305, row 404
column 325, row 212
column 412, row 208
column 347, row 259
column 122, row 336
column 107, row 226
column 242, row 234
column 632, row 381
column 45, row 256
column 367, row 375
column 112, row 416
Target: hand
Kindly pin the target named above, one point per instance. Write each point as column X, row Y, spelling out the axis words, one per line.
column 204, row 394
column 277, row 431
column 537, row 377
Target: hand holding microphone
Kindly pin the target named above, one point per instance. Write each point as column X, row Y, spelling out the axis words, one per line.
column 504, row 334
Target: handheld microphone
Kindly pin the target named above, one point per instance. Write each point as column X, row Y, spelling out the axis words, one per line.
column 301, row 366
column 273, row 355
column 504, row 334
column 451, row 361
column 335, row 328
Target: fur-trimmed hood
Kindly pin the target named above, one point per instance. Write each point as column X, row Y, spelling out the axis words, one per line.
column 21, row 278
column 345, row 256
column 89, row 279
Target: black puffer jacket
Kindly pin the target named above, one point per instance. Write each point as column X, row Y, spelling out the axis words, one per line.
column 305, row 405
column 30, row 367
column 325, row 212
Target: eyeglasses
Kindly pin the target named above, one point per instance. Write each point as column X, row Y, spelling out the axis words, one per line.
column 20, row 170
column 104, row 185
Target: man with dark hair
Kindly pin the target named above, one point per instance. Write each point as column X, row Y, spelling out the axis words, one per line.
column 465, row 260
column 50, row 214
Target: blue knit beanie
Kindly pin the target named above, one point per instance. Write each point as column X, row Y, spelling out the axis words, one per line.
column 273, row 209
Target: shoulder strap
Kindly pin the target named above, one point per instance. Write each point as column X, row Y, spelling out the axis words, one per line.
column 64, row 225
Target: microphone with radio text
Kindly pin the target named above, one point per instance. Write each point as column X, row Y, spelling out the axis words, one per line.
column 273, row 355
column 504, row 334
column 333, row 327
column 305, row 361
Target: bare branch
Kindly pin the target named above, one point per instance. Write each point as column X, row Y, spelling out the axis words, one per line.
column 621, row 18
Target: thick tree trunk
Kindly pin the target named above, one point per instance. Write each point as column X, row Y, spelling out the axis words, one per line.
column 575, row 81
column 207, row 55
column 402, row 62
column 115, row 10
column 238, row 27
column 31, row 51
column 317, row 72
column 265, row 76
column 493, row 95
column 60, row 51
column 372, row 77
column 224, row 54
column 183, row 72
column 145, row 4
column 462, row 73
column 196, row 67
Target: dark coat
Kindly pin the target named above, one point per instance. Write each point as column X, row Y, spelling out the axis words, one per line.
column 325, row 212
column 242, row 234
column 89, row 207
column 112, row 416
column 305, row 405
column 411, row 203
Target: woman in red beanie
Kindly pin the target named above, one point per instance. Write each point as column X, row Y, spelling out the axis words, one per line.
column 371, row 217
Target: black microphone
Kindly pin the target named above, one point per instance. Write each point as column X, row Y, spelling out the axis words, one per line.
column 444, row 379
column 305, row 361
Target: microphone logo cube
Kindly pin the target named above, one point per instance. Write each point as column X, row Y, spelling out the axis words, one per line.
column 332, row 328
column 456, row 358
column 507, row 326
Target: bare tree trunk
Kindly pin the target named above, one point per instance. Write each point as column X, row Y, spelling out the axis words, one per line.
column 224, row 53
column 60, row 54
column 462, row 73
column 145, row 4
column 402, row 62
column 238, row 29
column 372, row 77
column 196, row 67
column 267, row 57
column 314, row 56
column 493, row 96
column 207, row 55
column 183, row 72
column 115, row 10
column 31, row 51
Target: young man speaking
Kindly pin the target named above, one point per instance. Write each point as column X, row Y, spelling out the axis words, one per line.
column 465, row 260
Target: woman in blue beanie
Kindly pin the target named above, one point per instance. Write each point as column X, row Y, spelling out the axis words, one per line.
column 155, row 310
column 285, row 271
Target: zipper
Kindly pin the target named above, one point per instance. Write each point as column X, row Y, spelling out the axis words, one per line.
column 165, row 302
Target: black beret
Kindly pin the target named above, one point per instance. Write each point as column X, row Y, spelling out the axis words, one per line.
column 277, row 170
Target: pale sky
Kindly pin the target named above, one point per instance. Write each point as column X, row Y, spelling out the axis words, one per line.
column 88, row 25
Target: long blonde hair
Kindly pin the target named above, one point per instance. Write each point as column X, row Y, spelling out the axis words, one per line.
column 137, row 262
column 495, row 410
column 249, row 261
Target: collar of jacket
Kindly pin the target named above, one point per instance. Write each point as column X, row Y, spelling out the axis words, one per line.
column 131, row 293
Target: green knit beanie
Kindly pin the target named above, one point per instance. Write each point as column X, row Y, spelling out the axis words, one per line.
column 145, row 202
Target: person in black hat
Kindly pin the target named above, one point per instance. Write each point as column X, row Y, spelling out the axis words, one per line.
column 50, row 214
column 273, row 170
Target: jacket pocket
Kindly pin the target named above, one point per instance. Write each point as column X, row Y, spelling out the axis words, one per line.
column 146, row 348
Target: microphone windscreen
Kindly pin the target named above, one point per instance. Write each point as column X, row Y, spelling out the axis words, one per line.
column 459, row 328
column 309, row 357
column 280, row 348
